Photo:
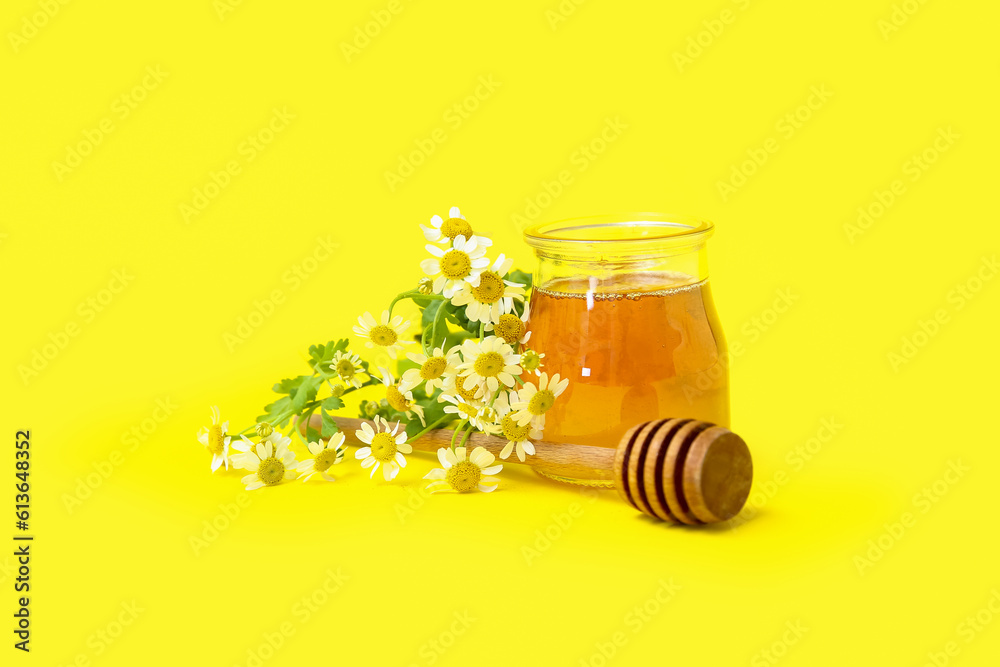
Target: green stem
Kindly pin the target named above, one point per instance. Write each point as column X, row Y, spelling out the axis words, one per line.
column 466, row 436
column 430, row 428
column 482, row 329
column 454, row 433
column 413, row 294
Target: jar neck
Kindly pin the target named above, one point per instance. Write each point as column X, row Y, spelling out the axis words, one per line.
column 604, row 267
column 608, row 253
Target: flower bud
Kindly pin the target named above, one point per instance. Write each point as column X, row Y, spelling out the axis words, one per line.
column 264, row 429
column 425, row 285
column 337, row 391
column 371, row 409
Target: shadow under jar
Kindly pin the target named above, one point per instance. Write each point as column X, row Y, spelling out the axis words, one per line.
column 622, row 307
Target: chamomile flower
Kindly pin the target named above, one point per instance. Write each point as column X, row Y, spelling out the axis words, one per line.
column 385, row 334
column 454, row 385
column 480, row 416
column 532, row 403
column 348, row 367
column 326, row 455
column 383, row 448
column 491, row 362
column 450, row 268
column 273, row 465
column 531, row 361
column 246, row 459
column 399, row 397
column 492, row 296
column 432, row 369
column 510, row 327
column 216, row 439
column 518, row 437
column 443, row 231
column 463, row 474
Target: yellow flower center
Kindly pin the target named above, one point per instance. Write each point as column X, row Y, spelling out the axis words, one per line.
column 490, row 288
column 467, row 410
column 383, row 335
column 531, row 360
column 383, row 447
column 271, row 471
column 345, row 367
column 325, row 459
column 510, row 328
column 512, row 431
column 452, row 227
column 489, row 364
column 541, row 402
column 467, row 394
column 456, row 264
column 396, row 399
column 216, row 439
column 464, row 476
column 433, row 368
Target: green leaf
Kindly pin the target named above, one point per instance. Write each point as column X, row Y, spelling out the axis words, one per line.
column 289, row 385
column 333, row 403
column 273, row 410
column 305, row 393
column 329, row 426
column 518, row 276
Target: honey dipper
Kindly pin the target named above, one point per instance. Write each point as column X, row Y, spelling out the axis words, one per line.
column 678, row 470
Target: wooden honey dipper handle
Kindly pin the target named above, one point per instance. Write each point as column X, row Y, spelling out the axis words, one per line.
column 679, row 470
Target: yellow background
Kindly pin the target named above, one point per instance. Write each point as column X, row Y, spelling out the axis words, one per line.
column 556, row 83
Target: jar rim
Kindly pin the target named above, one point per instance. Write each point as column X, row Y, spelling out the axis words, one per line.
column 620, row 228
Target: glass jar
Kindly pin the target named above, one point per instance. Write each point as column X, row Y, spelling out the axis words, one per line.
column 621, row 306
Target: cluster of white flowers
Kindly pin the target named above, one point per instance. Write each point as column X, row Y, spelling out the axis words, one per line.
column 479, row 378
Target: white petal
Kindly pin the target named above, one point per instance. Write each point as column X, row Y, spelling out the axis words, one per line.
column 405, row 448
column 363, row 453
column 487, row 489
column 400, row 460
column 492, row 470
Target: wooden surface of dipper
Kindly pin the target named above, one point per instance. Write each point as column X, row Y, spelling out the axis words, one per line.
column 679, row 470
